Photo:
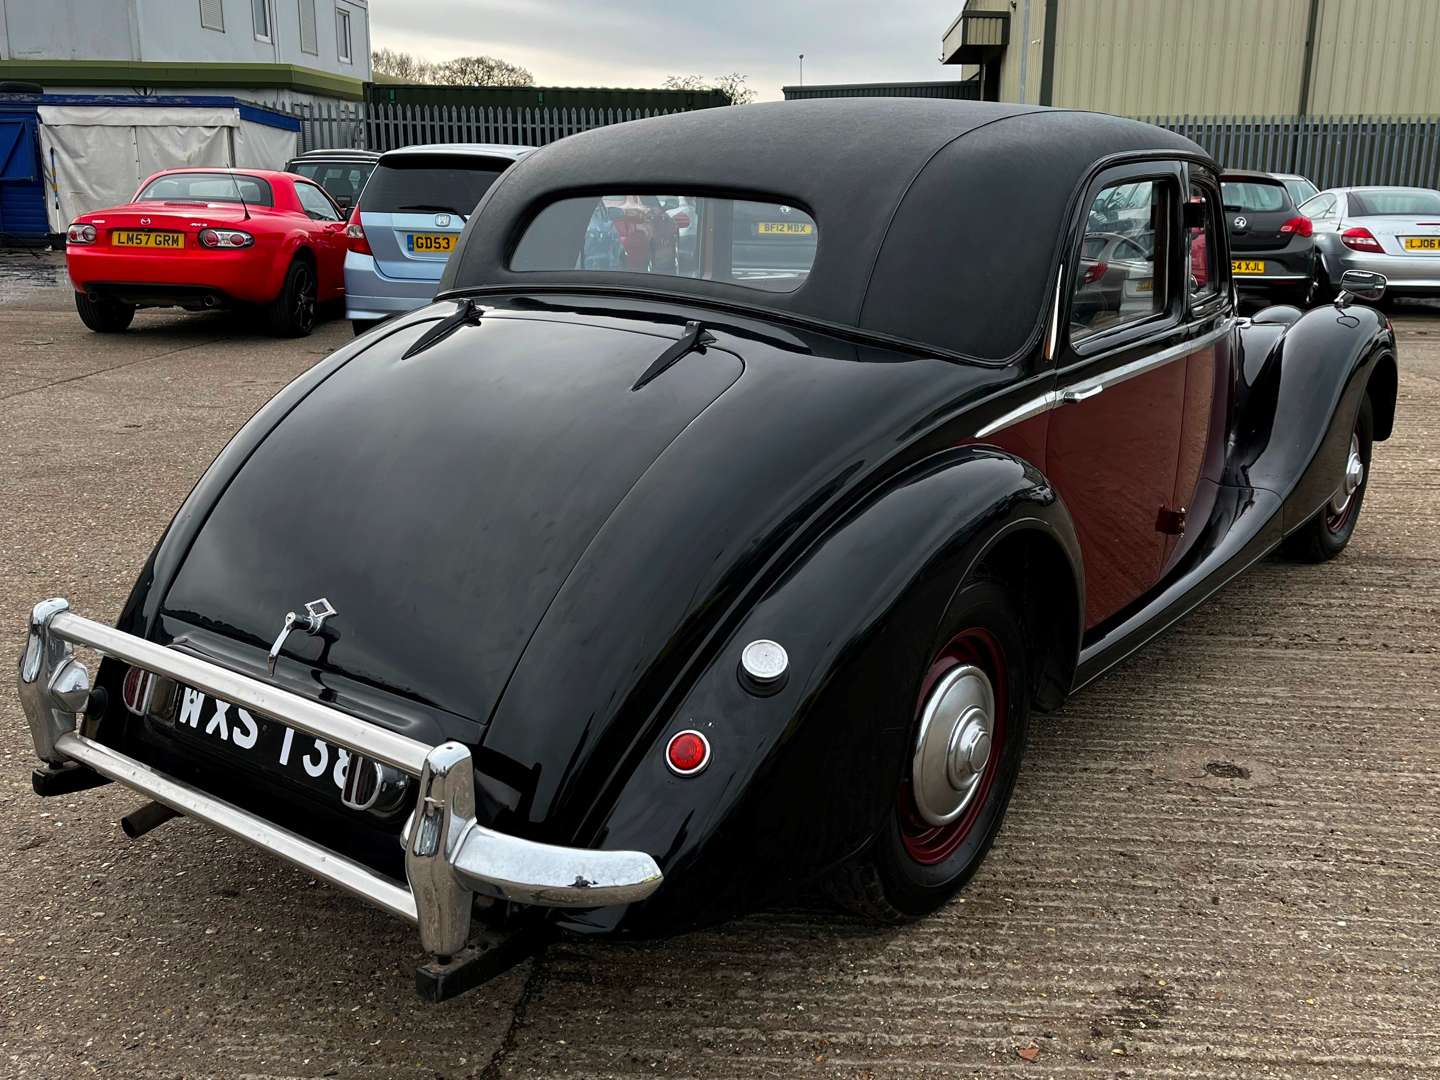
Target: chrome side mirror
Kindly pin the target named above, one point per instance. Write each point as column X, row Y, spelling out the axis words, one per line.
column 1360, row 285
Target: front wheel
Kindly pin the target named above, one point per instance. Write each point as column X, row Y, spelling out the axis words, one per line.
column 292, row 313
column 104, row 316
column 1326, row 534
column 970, row 724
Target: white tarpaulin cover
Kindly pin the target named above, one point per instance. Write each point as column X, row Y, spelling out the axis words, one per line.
column 96, row 155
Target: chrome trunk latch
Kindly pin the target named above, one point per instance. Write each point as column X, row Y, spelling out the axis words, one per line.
column 316, row 612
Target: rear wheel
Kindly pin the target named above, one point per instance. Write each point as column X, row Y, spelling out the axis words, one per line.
column 292, row 313
column 104, row 316
column 971, row 722
column 359, row 326
column 1325, row 535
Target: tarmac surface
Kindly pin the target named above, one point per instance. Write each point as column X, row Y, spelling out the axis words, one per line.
column 1222, row 860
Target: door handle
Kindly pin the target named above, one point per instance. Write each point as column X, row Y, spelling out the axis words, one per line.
column 1077, row 394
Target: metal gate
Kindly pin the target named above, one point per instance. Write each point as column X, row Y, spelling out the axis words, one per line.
column 22, row 180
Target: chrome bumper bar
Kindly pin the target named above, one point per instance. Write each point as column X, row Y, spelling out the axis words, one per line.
column 449, row 857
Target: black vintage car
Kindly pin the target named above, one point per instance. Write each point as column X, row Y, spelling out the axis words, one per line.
column 621, row 602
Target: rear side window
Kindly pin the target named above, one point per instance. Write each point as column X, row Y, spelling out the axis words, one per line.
column 761, row 245
column 1116, row 282
column 1254, row 196
column 208, row 188
column 430, row 184
column 1410, row 203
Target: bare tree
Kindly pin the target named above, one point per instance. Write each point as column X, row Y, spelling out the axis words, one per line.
column 461, row 71
column 732, row 85
column 482, row 71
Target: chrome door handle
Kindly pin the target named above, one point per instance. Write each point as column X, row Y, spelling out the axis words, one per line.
column 1077, row 394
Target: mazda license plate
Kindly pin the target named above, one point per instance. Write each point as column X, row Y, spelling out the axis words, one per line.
column 142, row 238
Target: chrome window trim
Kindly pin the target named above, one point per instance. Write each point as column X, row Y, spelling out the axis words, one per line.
column 1051, row 398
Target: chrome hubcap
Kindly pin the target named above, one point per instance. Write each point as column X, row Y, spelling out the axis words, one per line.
column 953, row 747
column 1353, row 478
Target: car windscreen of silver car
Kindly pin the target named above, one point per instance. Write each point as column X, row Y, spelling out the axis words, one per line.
column 760, row 245
column 429, row 183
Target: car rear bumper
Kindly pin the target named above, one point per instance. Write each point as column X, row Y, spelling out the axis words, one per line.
column 1285, row 269
column 369, row 294
column 174, row 277
column 449, row 857
column 1403, row 274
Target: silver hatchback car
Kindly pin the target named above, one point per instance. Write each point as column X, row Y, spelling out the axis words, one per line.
column 409, row 219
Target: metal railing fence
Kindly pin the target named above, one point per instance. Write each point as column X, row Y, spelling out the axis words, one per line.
column 385, row 126
column 1333, row 152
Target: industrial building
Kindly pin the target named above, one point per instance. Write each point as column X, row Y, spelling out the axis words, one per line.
column 279, row 53
column 1172, row 58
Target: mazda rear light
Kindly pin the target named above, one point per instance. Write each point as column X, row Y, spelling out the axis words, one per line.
column 225, row 238
column 1299, row 226
column 80, row 234
column 355, row 239
column 681, row 219
column 1361, row 239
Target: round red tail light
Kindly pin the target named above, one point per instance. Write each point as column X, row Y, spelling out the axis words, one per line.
column 688, row 753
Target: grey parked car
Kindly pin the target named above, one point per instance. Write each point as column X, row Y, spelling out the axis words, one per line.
column 1393, row 231
column 409, row 219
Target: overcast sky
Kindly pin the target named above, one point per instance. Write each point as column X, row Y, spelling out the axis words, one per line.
column 639, row 42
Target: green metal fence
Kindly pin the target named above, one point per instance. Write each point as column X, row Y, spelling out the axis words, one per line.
column 1334, row 152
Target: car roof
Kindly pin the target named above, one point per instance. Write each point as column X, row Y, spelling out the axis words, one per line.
column 339, row 153
column 263, row 174
column 1247, row 175
column 505, row 150
column 1383, row 187
column 904, row 192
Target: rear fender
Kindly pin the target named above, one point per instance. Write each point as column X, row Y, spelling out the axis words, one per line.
column 1299, row 391
column 802, row 778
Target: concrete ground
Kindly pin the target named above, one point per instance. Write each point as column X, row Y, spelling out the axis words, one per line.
column 1223, row 860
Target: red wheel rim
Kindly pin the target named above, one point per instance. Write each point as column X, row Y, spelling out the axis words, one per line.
column 929, row 844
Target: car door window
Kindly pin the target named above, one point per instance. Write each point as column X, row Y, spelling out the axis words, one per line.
column 316, row 203
column 1117, row 282
column 1200, row 238
column 1320, row 208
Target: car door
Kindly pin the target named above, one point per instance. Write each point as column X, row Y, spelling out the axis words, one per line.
column 327, row 236
column 1113, row 441
column 1209, row 314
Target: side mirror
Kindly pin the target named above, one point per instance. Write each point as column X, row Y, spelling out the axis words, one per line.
column 1361, row 285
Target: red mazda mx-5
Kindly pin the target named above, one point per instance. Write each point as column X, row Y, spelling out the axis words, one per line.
column 210, row 238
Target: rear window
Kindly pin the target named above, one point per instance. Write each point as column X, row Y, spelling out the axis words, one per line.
column 430, row 184
column 208, row 187
column 761, row 245
column 1409, row 203
column 1256, row 196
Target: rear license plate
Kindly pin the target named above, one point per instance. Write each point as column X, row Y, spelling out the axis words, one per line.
column 784, row 228
column 424, row 243
column 145, row 239
column 1247, row 266
column 1421, row 243
column 230, row 730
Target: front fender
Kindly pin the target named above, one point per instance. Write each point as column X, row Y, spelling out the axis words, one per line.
column 803, row 778
column 1300, row 388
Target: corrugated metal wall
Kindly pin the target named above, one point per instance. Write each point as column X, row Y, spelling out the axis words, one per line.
column 1376, row 57
column 1130, row 57
column 1229, row 57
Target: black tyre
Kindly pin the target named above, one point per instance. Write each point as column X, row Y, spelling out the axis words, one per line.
column 956, row 785
column 1325, row 535
column 292, row 313
column 359, row 326
column 1323, row 291
column 104, row 316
